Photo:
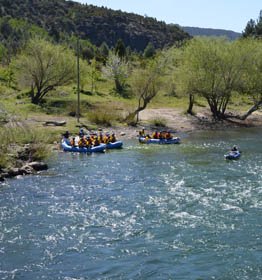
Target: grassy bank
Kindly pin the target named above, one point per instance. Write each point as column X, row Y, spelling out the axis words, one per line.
column 22, row 123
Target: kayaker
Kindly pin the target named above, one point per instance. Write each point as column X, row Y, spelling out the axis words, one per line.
column 234, row 148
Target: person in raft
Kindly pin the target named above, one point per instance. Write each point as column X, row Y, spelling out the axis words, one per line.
column 66, row 137
column 112, row 138
column 82, row 143
column 142, row 133
column 72, row 142
column 168, row 135
column 81, row 132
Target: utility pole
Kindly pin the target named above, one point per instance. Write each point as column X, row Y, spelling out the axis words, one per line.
column 78, row 82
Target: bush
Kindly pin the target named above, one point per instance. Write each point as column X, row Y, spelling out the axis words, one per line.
column 101, row 117
column 104, row 116
column 21, row 142
column 159, row 122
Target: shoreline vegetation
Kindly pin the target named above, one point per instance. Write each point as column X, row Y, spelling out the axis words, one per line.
column 26, row 157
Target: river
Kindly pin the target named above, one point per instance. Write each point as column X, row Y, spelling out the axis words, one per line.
column 143, row 212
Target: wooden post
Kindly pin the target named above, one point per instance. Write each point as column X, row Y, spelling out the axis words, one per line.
column 78, row 83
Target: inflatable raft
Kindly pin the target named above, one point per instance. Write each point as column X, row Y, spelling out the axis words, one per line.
column 174, row 140
column 115, row 145
column 97, row 149
column 233, row 155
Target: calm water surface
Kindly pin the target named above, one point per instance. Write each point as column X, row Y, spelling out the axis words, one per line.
column 143, row 212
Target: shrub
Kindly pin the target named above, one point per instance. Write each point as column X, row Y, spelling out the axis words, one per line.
column 105, row 116
column 159, row 122
column 21, row 142
column 101, row 117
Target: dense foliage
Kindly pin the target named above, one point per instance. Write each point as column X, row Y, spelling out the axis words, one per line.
column 215, row 69
column 43, row 67
column 61, row 18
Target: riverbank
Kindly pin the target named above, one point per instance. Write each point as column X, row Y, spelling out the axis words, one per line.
column 175, row 120
column 178, row 122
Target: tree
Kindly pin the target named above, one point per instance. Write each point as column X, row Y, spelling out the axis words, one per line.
column 146, row 83
column 102, row 53
column 120, row 49
column 250, row 29
column 252, row 76
column 93, row 74
column 253, row 29
column 149, row 50
column 43, row 67
column 117, row 70
column 212, row 68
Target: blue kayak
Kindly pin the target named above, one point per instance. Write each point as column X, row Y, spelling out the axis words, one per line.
column 174, row 140
column 115, row 145
column 95, row 149
column 233, row 155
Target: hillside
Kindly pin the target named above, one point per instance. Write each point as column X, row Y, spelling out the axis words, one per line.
column 98, row 25
column 197, row 31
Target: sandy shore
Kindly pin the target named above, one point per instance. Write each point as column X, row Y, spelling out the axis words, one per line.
column 178, row 121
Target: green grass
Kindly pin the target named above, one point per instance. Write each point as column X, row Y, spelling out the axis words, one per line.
column 17, row 138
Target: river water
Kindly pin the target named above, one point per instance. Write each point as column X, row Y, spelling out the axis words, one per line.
column 143, row 212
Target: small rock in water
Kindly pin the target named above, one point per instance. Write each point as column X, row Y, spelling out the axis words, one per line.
column 122, row 133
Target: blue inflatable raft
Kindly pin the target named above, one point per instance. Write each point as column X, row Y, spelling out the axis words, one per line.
column 233, row 155
column 96, row 149
column 115, row 145
column 174, row 140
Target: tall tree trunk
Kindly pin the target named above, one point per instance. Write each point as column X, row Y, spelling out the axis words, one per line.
column 191, row 104
column 34, row 97
column 119, row 87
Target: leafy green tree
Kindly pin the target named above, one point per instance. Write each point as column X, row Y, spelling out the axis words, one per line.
column 94, row 74
column 145, row 84
column 117, row 70
column 7, row 76
column 212, row 68
column 103, row 51
column 120, row 49
column 149, row 51
column 252, row 75
column 43, row 67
